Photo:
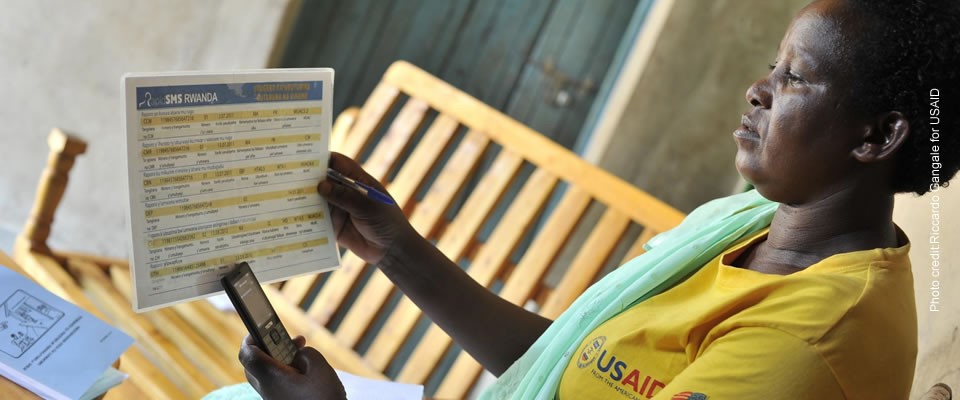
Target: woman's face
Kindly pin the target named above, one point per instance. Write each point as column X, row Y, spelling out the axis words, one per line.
column 795, row 143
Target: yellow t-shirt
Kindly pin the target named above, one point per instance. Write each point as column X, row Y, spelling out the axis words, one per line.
column 843, row 328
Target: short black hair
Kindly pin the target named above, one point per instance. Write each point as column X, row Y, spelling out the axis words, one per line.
column 906, row 49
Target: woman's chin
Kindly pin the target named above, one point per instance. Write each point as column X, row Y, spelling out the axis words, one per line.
column 746, row 166
column 749, row 172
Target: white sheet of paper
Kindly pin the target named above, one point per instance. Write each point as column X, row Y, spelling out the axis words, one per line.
column 223, row 168
column 359, row 388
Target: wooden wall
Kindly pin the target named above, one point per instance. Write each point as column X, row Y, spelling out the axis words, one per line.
column 518, row 56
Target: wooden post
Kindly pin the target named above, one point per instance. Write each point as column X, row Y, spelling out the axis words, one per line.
column 63, row 152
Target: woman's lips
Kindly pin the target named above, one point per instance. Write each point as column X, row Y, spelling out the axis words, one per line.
column 746, row 129
column 745, row 132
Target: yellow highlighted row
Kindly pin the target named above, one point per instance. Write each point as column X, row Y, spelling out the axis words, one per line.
column 227, row 173
column 232, row 259
column 229, row 144
column 229, row 201
column 221, row 116
column 235, row 229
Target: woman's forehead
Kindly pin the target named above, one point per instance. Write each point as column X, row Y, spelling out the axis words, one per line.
column 819, row 31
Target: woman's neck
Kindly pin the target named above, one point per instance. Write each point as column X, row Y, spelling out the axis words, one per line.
column 802, row 235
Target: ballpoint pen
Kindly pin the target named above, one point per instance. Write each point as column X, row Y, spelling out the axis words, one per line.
column 360, row 187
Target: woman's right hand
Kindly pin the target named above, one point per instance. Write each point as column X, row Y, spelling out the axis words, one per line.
column 381, row 235
column 367, row 227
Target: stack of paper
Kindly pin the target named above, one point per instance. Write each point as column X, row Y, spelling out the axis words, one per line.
column 52, row 347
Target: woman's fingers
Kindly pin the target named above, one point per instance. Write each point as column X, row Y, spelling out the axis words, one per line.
column 353, row 170
column 348, row 199
column 259, row 364
column 300, row 341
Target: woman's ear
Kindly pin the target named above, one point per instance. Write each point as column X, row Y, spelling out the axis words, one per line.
column 882, row 140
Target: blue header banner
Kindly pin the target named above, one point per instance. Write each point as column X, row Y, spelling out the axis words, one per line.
column 222, row 94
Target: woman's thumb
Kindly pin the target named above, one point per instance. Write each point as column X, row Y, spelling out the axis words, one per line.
column 308, row 359
column 348, row 199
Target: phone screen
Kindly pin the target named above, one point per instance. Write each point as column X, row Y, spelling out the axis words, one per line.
column 253, row 298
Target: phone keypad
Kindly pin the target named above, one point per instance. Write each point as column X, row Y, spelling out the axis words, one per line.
column 279, row 345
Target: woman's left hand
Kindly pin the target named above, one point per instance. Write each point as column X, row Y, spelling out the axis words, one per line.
column 309, row 376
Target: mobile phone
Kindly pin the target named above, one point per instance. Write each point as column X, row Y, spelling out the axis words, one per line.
column 257, row 314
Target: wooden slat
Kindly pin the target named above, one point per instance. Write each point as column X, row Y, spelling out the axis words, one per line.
column 533, row 146
column 379, row 164
column 125, row 390
column 318, row 337
column 211, row 323
column 453, row 244
column 392, row 144
column 369, row 120
column 422, row 160
column 337, row 287
column 206, row 344
column 338, row 355
column 341, row 128
column 424, row 219
column 47, row 272
column 221, row 371
column 587, row 263
column 146, row 376
column 102, row 261
column 486, row 266
column 545, row 247
column 637, row 248
column 523, row 282
column 184, row 373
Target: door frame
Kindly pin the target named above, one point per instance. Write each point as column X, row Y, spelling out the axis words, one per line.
column 630, row 61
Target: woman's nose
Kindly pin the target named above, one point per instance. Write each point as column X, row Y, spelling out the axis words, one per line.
column 758, row 94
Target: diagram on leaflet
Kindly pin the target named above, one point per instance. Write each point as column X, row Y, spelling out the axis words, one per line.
column 24, row 319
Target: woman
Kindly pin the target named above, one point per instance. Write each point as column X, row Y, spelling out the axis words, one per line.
column 820, row 305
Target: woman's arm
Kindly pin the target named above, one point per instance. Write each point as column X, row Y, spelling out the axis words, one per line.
column 493, row 330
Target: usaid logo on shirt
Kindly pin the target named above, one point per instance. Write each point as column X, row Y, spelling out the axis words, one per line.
column 620, row 375
column 590, row 351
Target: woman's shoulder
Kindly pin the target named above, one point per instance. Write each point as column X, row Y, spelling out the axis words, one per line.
column 853, row 294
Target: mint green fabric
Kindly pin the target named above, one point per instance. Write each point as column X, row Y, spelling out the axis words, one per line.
column 240, row 391
column 671, row 257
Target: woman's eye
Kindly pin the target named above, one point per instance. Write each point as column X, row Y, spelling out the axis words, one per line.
column 794, row 79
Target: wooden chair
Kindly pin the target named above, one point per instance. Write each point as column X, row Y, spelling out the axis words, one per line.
column 181, row 352
column 38, row 262
column 508, row 221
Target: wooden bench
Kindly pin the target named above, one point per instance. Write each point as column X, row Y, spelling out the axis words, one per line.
column 494, row 195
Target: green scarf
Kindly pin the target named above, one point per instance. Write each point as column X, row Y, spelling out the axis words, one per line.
column 671, row 256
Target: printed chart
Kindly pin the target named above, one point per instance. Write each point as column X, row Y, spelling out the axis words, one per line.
column 222, row 169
